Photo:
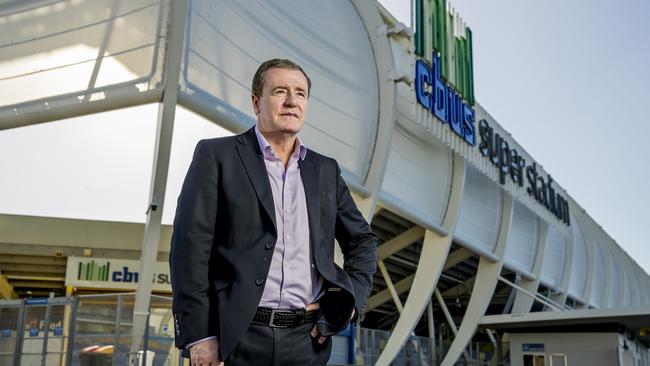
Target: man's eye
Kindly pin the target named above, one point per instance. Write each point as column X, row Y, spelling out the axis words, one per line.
column 280, row 92
column 301, row 94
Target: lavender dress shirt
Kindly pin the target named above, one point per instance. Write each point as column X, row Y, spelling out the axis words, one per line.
column 292, row 282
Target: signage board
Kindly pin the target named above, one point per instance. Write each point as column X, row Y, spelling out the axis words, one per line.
column 110, row 273
column 444, row 78
column 441, row 32
column 532, row 347
column 444, row 87
column 511, row 164
column 36, row 301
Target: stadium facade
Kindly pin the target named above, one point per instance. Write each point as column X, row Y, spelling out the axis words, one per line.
column 478, row 244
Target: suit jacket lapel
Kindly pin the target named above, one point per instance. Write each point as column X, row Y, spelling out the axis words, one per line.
column 251, row 157
column 311, row 183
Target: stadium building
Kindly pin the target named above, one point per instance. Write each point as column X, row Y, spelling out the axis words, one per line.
column 483, row 257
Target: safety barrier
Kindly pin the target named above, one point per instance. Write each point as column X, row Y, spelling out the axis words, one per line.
column 95, row 330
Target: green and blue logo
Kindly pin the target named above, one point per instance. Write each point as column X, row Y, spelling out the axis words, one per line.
column 444, row 82
column 93, row 271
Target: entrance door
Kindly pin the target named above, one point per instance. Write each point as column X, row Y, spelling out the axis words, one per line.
column 534, row 359
column 559, row 359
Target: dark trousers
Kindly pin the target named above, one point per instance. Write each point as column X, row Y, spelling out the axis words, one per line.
column 262, row 345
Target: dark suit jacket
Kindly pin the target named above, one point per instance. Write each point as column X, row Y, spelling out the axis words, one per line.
column 225, row 233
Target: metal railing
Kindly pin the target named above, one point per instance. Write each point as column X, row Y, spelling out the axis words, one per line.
column 83, row 330
column 96, row 330
column 424, row 351
column 416, row 351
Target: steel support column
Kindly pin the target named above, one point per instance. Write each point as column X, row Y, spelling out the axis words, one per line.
column 102, row 48
column 389, row 284
column 450, row 319
column 162, row 150
column 46, row 328
column 403, row 285
column 435, row 249
column 487, row 276
column 431, row 325
column 381, row 297
column 118, row 320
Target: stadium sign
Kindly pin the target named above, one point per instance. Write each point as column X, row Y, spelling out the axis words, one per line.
column 444, row 83
column 510, row 163
column 122, row 274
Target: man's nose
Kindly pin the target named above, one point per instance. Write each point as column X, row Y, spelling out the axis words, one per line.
column 291, row 100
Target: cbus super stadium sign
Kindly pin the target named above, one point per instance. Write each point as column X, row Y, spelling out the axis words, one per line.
column 112, row 273
column 444, row 85
column 444, row 79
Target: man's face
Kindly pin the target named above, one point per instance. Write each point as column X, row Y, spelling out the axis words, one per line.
column 283, row 104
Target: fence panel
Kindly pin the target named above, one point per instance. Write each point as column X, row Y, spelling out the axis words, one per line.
column 103, row 331
column 10, row 321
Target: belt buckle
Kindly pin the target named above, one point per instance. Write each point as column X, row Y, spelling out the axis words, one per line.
column 273, row 312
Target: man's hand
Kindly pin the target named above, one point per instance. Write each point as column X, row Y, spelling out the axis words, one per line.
column 206, row 353
column 314, row 330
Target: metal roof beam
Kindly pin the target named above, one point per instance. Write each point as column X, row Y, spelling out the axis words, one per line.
column 400, row 242
column 381, row 297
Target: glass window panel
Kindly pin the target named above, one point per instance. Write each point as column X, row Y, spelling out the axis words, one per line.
column 52, row 48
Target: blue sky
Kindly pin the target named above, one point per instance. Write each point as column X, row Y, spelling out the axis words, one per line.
column 569, row 80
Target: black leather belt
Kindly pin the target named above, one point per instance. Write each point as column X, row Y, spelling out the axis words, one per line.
column 284, row 318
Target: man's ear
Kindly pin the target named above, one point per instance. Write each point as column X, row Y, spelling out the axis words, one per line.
column 256, row 103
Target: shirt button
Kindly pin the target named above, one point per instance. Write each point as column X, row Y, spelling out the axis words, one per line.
column 259, row 281
column 269, row 245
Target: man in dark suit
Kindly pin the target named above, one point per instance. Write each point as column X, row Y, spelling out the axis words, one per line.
column 253, row 276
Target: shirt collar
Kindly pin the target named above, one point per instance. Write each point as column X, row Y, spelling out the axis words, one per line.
column 267, row 150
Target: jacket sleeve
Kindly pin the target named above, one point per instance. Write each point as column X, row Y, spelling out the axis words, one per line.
column 358, row 244
column 194, row 305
